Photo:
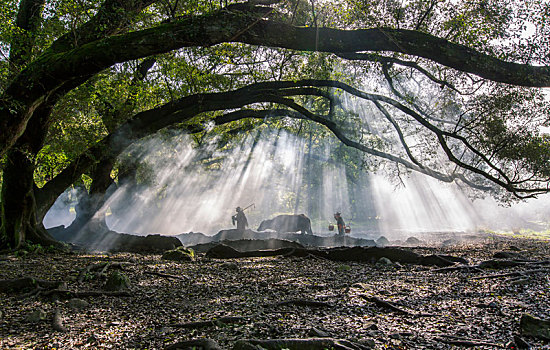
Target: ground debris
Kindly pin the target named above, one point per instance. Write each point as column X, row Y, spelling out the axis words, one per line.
column 477, row 307
column 210, row 323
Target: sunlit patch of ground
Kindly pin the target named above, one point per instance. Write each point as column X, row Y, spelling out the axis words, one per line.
column 454, row 303
column 527, row 234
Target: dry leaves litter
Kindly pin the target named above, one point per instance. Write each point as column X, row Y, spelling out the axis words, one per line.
column 376, row 306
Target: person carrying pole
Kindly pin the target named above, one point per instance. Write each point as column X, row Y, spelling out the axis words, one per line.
column 240, row 218
column 340, row 223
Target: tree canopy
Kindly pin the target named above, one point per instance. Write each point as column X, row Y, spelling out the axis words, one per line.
column 453, row 90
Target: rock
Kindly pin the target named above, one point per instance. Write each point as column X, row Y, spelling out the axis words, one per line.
column 534, row 327
column 376, row 334
column 395, row 336
column 382, row 241
column 230, row 266
column 343, row 268
column 117, row 281
column 76, row 303
column 371, row 325
column 370, row 343
column 36, row 316
column 57, row 322
column 316, row 332
column 383, row 261
column 179, row 254
column 413, row 241
column 449, row 242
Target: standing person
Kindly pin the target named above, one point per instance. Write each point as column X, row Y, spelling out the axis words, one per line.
column 340, row 223
column 240, row 219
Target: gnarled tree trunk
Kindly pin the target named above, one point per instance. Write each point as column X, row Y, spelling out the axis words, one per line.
column 18, row 207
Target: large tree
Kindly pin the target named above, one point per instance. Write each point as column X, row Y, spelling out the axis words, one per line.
column 485, row 126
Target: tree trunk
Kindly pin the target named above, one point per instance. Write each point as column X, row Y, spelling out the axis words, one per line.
column 18, row 206
column 89, row 216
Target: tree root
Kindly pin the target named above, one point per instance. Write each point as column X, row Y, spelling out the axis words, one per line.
column 209, row 323
column 27, row 283
column 454, row 340
column 304, row 302
column 391, row 306
column 165, row 275
column 67, row 294
column 196, row 344
column 298, row 344
column 511, row 274
column 386, row 304
column 101, row 267
column 465, row 268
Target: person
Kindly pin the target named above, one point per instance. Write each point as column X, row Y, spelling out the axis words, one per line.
column 340, row 223
column 240, row 219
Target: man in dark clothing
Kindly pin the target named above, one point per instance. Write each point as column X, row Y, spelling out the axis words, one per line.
column 240, row 219
column 340, row 223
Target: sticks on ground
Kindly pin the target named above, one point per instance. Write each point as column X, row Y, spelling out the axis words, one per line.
column 204, row 344
column 27, row 283
column 165, row 275
column 299, row 344
column 511, row 274
column 209, row 323
column 304, row 302
column 454, row 340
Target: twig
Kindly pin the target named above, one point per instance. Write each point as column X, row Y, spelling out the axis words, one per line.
column 454, row 340
column 510, row 274
column 304, row 302
column 89, row 293
column 165, row 275
column 386, row 304
column 467, row 268
column 214, row 322
column 205, row 344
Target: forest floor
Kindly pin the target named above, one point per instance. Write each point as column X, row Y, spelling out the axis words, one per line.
column 279, row 297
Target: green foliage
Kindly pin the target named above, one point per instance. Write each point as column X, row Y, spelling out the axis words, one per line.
column 30, row 248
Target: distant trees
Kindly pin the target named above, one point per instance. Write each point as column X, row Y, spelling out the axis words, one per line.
column 449, row 89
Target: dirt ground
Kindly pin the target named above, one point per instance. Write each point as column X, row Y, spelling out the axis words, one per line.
column 443, row 309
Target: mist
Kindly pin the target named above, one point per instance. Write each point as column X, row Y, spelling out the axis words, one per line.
column 181, row 188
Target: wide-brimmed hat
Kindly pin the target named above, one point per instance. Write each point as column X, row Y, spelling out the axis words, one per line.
column 337, row 213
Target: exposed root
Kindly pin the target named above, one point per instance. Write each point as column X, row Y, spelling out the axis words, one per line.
column 298, row 344
column 165, row 275
column 209, row 323
column 27, row 283
column 196, row 344
column 304, row 302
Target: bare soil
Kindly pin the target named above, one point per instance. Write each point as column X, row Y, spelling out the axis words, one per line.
column 280, row 297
